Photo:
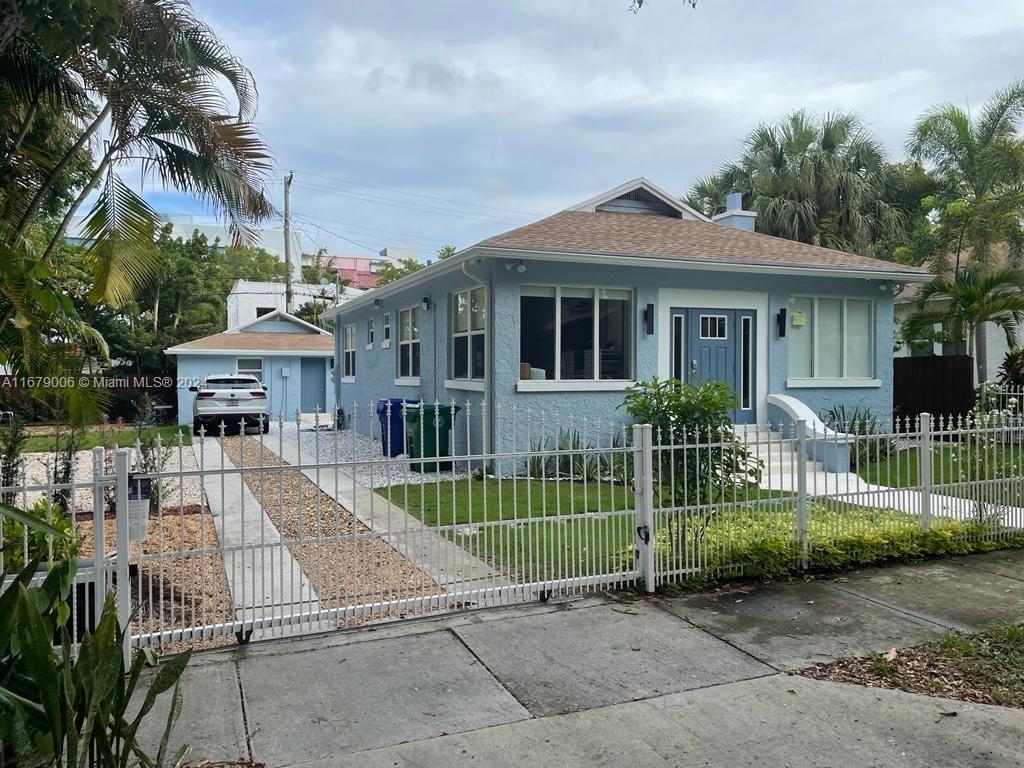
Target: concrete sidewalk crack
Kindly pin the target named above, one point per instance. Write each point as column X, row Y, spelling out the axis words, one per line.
column 245, row 714
column 896, row 609
column 491, row 672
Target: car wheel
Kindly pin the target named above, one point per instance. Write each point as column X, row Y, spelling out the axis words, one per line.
column 196, row 427
column 266, row 425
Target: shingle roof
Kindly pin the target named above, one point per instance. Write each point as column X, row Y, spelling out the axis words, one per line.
column 632, row 234
column 283, row 342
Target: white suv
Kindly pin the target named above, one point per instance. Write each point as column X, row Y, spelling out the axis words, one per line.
column 237, row 400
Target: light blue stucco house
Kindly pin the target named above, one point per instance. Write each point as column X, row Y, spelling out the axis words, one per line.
column 565, row 313
column 294, row 360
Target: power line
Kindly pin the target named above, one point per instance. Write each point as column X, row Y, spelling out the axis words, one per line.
column 419, row 194
column 505, row 221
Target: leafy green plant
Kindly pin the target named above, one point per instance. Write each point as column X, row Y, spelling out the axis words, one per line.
column 868, row 427
column 12, row 444
column 40, row 543
column 702, row 460
column 1012, row 370
column 64, row 708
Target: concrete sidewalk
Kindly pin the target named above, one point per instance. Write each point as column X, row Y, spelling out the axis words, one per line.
column 695, row 680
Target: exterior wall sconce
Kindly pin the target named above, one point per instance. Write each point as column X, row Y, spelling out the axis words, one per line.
column 781, row 319
column 518, row 266
column 376, row 303
column 426, row 304
column 649, row 319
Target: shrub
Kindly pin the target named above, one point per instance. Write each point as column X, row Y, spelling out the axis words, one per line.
column 12, row 443
column 40, row 544
column 863, row 423
column 1012, row 370
column 703, row 455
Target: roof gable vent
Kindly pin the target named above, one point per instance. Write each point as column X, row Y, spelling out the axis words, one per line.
column 638, row 201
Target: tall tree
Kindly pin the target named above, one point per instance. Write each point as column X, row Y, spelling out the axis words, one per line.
column 822, row 182
column 963, row 303
column 146, row 78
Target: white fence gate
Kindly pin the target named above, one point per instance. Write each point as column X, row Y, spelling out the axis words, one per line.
column 310, row 528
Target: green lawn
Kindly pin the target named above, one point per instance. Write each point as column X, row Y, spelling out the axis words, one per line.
column 562, row 529
column 950, row 464
column 108, row 437
column 542, row 530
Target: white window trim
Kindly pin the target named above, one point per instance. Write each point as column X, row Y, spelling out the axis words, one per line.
column 410, row 342
column 700, row 330
column 573, row 385
column 386, row 344
column 832, row 383
column 385, row 329
column 469, row 385
column 249, row 371
column 348, row 379
column 804, row 382
column 597, row 358
column 348, row 332
column 469, row 333
column 370, row 333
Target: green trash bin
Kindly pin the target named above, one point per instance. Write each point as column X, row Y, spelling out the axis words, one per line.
column 428, row 430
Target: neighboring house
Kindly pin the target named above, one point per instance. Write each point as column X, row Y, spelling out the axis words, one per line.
column 566, row 313
column 250, row 299
column 293, row 359
column 362, row 271
column 992, row 357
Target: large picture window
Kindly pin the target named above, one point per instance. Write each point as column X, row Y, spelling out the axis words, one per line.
column 468, row 334
column 831, row 338
column 409, row 343
column 348, row 351
column 569, row 334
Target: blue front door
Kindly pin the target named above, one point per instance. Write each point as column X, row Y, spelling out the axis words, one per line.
column 717, row 345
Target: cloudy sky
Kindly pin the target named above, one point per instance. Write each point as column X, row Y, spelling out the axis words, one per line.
column 422, row 122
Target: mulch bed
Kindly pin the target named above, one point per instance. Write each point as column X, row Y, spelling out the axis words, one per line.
column 985, row 668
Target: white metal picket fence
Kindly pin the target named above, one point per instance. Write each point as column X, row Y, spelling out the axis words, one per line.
column 310, row 527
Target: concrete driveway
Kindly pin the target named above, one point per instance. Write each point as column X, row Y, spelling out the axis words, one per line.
column 697, row 680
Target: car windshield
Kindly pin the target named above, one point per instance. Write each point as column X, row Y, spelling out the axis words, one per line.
column 232, row 383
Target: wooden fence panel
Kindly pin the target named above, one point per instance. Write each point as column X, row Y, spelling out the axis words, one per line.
column 941, row 386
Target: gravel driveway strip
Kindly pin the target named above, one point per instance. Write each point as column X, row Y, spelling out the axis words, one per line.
column 343, row 573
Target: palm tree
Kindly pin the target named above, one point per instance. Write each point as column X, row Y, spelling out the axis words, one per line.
column 816, row 181
column 153, row 94
column 964, row 303
column 979, row 163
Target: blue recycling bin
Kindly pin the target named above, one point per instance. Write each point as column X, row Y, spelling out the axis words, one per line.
column 392, row 425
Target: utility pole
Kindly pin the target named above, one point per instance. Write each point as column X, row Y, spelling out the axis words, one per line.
column 287, row 245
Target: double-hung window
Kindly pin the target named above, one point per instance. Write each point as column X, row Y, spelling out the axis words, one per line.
column 409, row 343
column 369, row 333
column 468, row 334
column 348, row 352
column 573, row 334
column 830, row 339
column 385, row 341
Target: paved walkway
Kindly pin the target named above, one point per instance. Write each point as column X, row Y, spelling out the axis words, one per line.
column 697, row 680
column 443, row 561
column 266, row 581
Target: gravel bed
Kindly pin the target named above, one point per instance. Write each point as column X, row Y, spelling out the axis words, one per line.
column 38, row 467
column 331, row 445
column 342, row 573
column 177, row 591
